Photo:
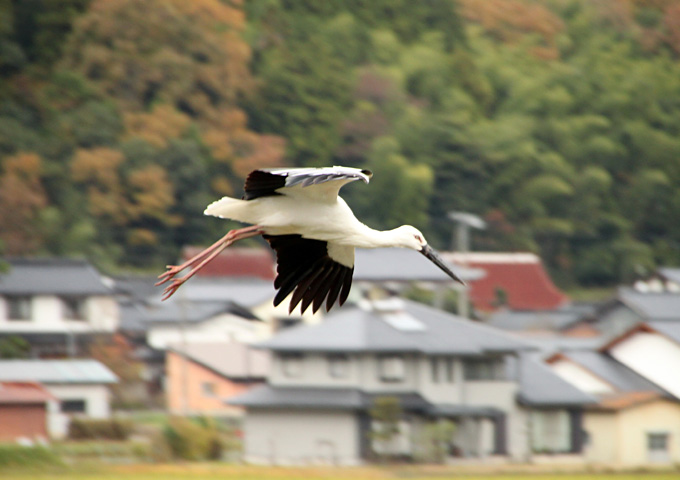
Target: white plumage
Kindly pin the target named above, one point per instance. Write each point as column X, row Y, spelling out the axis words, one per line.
column 314, row 232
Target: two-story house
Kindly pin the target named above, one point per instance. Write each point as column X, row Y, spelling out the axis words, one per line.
column 55, row 304
column 325, row 378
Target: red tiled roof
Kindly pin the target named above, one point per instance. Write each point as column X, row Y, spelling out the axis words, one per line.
column 23, row 392
column 237, row 262
column 520, row 275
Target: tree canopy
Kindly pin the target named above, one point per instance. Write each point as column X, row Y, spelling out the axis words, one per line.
column 556, row 121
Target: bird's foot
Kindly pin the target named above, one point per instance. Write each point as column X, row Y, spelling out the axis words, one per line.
column 169, row 274
column 172, row 288
column 202, row 259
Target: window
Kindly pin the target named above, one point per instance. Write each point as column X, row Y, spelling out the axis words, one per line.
column 208, row 389
column 338, row 366
column 291, row 364
column 484, row 369
column 73, row 308
column 391, row 368
column 657, row 441
column 449, row 370
column 441, row 369
column 19, row 308
column 434, row 369
column 73, row 406
column 550, row 431
column 657, row 447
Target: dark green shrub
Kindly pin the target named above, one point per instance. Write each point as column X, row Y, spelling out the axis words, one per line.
column 107, row 429
column 193, row 439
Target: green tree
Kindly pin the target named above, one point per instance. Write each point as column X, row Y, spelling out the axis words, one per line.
column 386, row 413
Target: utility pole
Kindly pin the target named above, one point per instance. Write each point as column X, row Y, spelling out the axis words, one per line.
column 460, row 241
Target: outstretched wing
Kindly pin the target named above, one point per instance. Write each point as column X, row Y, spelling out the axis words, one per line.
column 313, row 182
column 305, row 268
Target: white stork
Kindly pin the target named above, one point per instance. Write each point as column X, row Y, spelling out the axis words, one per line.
column 313, row 231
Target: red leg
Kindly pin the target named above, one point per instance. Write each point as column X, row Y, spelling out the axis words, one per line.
column 202, row 259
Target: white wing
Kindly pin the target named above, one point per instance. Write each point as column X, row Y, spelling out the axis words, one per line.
column 315, row 183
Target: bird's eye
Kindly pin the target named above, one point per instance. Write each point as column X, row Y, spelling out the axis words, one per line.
column 419, row 238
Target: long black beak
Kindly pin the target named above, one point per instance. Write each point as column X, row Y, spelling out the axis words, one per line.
column 432, row 254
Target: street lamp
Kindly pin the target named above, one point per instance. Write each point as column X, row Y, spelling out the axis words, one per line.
column 461, row 236
column 461, row 239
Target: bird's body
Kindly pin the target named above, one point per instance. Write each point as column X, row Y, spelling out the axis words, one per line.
column 313, row 230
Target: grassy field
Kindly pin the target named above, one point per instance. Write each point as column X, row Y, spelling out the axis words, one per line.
column 232, row 472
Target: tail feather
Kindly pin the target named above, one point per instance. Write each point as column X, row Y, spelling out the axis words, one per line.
column 225, row 207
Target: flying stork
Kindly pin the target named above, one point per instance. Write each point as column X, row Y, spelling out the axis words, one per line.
column 313, row 231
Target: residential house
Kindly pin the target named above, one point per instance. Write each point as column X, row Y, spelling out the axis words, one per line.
column 23, row 411
column 80, row 386
column 665, row 279
column 57, row 305
column 517, row 281
column 202, row 377
column 326, row 377
column 631, row 306
column 635, row 422
column 544, row 322
column 204, row 310
column 652, row 350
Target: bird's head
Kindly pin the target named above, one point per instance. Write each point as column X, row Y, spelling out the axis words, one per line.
column 411, row 237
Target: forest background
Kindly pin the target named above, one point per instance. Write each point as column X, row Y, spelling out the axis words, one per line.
column 557, row 121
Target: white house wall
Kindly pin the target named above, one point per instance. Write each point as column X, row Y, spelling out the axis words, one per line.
column 603, row 437
column 102, row 313
column 298, row 437
column 581, row 378
column 220, row 328
column 97, row 404
column 363, row 372
column 442, row 391
column 47, row 316
column 315, row 372
column 653, row 356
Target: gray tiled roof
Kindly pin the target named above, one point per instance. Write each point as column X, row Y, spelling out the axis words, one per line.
column 137, row 287
column 541, row 387
column 354, row 329
column 230, row 359
column 403, row 265
column 55, row 371
column 672, row 274
column 132, row 317
column 652, row 306
column 192, row 312
column 311, row 397
column 452, row 410
column 47, row 276
column 524, row 320
column 248, row 292
column 549, row 344
column 616, row 374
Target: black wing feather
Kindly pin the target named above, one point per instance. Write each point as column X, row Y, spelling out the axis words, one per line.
column 261, row 183
column 346, row 286
column 305, row 268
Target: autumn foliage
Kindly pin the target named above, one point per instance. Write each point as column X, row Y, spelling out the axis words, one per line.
column 22, row 197
column 557, row 121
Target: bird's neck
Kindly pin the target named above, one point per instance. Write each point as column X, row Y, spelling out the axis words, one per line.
column 370, row 238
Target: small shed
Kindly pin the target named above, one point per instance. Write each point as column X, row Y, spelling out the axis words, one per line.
column 23, row 411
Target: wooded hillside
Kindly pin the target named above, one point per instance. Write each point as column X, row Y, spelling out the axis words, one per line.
column 557, row 121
